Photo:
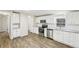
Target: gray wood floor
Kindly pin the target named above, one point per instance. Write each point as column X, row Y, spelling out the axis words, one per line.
column 30, row 41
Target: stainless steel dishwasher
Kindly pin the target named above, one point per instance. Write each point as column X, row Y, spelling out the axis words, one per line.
column 50, row 33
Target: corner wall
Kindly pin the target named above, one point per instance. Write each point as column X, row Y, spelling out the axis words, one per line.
column 3, row 23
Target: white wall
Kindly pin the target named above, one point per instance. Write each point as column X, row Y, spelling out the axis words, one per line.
column 24, row 24
column 3, row 23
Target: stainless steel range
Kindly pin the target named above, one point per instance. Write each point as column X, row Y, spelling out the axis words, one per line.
column 41, row 29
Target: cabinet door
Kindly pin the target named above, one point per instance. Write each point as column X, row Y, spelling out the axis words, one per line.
column 69, row 38
column 40, row 18
column 66, row 38
column 72, row 21
column 76, row 40
column 58, row 35
column 73, row 18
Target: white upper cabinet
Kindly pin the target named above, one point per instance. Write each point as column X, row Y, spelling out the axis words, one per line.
column 72, row 18
column 49, row 19
column 72, row 21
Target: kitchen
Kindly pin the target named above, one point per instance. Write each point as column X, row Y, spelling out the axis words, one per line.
column 39, row 29
column 61, row 26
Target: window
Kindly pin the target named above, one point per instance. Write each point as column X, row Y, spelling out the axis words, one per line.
column 61, row 22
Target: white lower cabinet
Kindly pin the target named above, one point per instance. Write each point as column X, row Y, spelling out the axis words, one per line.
column 68, row 38
column 58, row 35
column 76, row 41
column 71, row 39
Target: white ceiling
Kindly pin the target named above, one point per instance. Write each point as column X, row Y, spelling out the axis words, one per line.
column 43, row 12
column 37, row 12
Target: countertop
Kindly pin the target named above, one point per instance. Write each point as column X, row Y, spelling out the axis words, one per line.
column 65, row 30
